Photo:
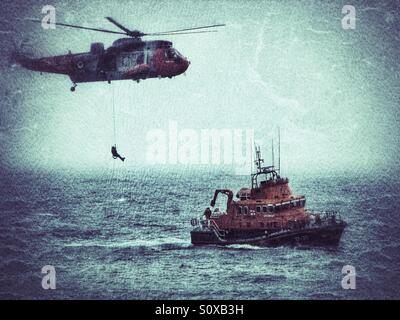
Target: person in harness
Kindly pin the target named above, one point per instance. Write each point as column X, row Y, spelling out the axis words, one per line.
column 115, row 153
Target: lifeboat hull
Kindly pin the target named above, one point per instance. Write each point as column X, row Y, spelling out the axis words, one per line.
column 328, row 235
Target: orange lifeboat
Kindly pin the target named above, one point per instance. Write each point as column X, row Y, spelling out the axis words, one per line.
column 268, row 213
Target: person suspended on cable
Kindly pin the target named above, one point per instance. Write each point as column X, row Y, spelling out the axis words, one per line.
column 115, row 153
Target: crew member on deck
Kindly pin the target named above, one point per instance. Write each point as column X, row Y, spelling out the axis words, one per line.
column 207, row 213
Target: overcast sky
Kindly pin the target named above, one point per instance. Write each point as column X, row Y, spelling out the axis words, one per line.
column 333, row 92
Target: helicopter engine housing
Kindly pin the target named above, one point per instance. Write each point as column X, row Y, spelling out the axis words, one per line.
column 97, row 48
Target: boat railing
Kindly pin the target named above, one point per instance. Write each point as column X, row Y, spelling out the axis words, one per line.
column 325, row 214
column 210, row 223
column 215, row 225
column 326, row 218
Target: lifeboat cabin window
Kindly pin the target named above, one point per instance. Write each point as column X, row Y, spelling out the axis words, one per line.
column 244, row 196
column 285, row 205
column 239, row 210
column 302, row 202
column 258, row 209
column 295, row 203
column 270, row 208
column 277, row 208
column 245, row 210
column 265, row 209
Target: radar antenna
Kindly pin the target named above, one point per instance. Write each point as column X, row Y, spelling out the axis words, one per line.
column 258, row 160
column 279, row 150
column 273, row 154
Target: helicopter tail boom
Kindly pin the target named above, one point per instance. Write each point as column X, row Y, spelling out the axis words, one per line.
column 57, row 64
column 19, row 58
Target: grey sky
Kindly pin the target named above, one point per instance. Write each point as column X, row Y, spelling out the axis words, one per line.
column 333, row 92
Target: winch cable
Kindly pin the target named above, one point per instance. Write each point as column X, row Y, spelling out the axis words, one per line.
column 119, row 176
column 113, row 111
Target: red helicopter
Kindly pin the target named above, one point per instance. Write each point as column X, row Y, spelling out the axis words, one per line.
column 127, row 58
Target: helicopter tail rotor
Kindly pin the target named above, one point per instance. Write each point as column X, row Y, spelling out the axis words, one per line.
column 18, row 58
column 21, row 53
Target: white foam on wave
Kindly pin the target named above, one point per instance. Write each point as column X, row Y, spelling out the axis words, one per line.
column 46, row 214
column 131, row 243
column 244, row 247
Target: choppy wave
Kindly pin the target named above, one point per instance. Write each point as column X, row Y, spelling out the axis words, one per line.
column 243, row 247
column 166, row 243
column 137, row 244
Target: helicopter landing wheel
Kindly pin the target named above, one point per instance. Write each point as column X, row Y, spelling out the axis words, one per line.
column 73, row 87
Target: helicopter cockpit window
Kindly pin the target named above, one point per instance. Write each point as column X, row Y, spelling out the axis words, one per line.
column 172, row 54
column 169, row 54
column 177, row 57
column 178, row 54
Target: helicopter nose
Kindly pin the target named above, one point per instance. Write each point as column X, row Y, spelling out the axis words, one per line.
column 185, row 64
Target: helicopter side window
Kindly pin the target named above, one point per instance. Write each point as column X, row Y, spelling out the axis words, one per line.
column 140, row 58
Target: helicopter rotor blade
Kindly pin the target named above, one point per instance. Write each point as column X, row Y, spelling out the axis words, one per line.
column 78, row 27
column 133, row 33
column 189, row 29
column 118, row 25
column 175, row 33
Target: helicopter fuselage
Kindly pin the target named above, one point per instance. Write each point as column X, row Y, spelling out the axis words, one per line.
column 127, row 58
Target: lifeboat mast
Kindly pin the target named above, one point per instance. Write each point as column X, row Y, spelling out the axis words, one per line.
column 270, row 172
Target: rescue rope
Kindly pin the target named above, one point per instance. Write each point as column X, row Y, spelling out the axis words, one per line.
column 118, row 174
column 113, row 110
